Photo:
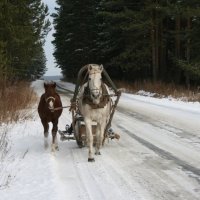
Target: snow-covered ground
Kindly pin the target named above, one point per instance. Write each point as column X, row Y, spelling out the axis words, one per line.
column 156, row 158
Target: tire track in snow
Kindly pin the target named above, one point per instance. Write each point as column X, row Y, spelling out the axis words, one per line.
column 167, row 155
column 103, row 180
column 85, row 172
column 148, row 172
column 67, row 173
column 159, row 124
column 185, row 166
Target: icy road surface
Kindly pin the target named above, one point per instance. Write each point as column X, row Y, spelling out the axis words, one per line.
column 156, row 158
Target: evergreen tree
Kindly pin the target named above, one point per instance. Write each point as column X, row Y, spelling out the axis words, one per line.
column 190, row 62
column 75, row 37
column 127, row 46
column 23, row 28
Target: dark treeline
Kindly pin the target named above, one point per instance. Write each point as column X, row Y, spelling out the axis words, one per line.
column 23, row 27
column 158, row 40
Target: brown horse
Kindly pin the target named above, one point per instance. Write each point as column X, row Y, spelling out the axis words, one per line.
column 49, row 101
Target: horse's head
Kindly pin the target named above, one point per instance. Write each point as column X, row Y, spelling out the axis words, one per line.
column 50, row 94
column 95, row 81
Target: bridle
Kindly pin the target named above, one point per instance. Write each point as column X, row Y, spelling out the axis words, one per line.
column 91, row 93
column 95, row 88
column 51, row 108
column 46, row 99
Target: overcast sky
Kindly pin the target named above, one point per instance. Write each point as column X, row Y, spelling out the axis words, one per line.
column 49, row 48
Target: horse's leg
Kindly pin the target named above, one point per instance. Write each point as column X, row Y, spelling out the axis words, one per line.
column 102, row 130
column 98, row 139
column 54, row 145
column 46, row 132
column 88, row 127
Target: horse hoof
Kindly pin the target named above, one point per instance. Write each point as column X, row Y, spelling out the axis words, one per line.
column 80, row 145
column 91, row 159
column 98, row 153
column 46, row 145
column 53, row 149
column 57, row 148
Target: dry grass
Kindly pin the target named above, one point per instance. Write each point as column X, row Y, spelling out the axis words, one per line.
column 14, row 103
column 13, row 99
column 161, row 90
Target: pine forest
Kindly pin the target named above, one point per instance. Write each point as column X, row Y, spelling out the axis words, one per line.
column 157, row 40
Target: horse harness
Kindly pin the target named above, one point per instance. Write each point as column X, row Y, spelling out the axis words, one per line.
column 104, row 99
column 50, row 97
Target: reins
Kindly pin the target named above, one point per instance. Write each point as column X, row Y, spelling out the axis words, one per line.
column 110, row 95
column 59, row 108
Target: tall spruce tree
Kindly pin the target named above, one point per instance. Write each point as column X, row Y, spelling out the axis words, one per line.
column 121, row 25
column 75, row 25
column 188, row 62
column 23, row 28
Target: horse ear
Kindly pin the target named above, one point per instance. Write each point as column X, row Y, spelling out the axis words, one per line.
column 45, row 85
column 101, row 67
column 54, row 84
column 89, row 67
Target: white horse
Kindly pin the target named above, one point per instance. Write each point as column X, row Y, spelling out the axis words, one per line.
column 95, row 105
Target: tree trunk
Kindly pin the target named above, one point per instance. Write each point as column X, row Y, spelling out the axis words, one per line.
column 157, row 47
column 178, row 46
column 154, row 45
column 162, row 50
column 188, row 52
column 178, row 41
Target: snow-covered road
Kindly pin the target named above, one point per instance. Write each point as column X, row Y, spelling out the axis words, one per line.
column 156, row 158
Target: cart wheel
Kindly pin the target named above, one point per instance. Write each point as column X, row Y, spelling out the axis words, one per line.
column 78, row 141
